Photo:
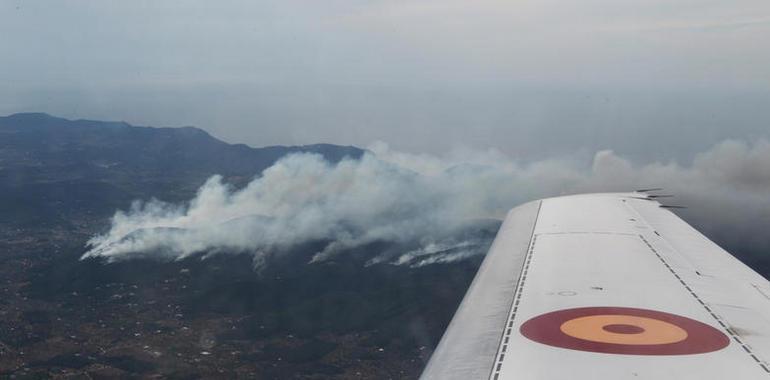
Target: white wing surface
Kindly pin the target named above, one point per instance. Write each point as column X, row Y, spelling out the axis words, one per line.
column 606, row 286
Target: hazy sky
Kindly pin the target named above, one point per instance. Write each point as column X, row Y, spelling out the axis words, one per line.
column 532, row 78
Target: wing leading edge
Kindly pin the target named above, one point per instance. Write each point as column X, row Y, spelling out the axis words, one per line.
column 606, row 286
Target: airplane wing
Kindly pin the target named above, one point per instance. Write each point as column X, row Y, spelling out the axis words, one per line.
column 606, row 286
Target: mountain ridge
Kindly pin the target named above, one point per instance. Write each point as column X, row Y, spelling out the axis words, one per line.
column 51, row 165
column 42, row 119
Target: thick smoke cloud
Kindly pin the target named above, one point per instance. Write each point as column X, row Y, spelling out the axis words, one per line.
column 423, row 202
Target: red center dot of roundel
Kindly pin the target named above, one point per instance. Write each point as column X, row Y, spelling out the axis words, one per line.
column 623, row 329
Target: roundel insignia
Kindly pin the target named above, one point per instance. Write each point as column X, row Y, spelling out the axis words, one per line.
column 622, row 330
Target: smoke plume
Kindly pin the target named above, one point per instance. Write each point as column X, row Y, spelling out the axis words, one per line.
column 423, row 201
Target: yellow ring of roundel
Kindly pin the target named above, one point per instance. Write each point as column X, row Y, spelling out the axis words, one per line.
column 591, row 328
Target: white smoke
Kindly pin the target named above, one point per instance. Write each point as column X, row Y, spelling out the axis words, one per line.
column 434, row 253
column 390, row 196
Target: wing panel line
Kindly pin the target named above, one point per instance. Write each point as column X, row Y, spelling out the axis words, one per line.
column 708, row 309
column 506, row 333
column 671, row 269
column 468, row 349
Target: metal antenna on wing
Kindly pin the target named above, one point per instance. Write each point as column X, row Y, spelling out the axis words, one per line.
column 652, row 197
column 672, row 206
column 648, row 190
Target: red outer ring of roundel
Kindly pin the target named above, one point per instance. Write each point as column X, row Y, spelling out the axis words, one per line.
column 701, row 338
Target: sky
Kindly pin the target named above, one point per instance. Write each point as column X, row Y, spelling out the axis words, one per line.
column 649, row 79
